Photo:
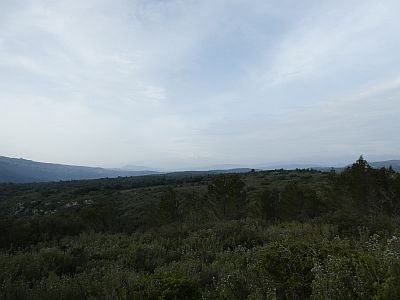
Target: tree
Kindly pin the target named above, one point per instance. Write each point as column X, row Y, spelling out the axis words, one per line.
column 267, row 204
column 228, row 196
column 299, row 202
column 196, row 208
column 170, row 206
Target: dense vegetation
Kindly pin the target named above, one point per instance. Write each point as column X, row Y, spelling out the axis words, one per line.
column 261, row 235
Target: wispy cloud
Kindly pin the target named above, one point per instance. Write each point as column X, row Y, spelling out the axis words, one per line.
column 182, row 83
column 330, row 33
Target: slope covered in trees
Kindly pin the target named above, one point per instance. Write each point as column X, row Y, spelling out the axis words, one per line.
column 261, row 235
column 20, row 170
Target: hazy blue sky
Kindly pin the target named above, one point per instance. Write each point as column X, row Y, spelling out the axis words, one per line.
column 183, row 83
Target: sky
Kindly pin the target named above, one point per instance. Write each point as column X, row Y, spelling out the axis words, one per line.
column 185, row 83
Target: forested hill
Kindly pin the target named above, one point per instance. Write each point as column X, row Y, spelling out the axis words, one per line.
column 280, row 234
column 22, row 170
column 25, row 171
column 18, row 170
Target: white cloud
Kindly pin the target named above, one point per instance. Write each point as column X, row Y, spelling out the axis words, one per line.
column 334, row 34
column 361, row 123
column 197, row 82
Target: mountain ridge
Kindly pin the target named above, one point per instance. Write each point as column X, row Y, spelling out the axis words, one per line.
column 19, row 170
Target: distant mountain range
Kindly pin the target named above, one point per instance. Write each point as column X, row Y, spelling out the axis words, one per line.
column 395, row 164
column 292, row 166
column 20, row 170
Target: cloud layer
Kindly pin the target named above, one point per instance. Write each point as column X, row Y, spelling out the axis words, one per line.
column 178, row 84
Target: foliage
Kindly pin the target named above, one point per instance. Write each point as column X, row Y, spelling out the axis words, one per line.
column 279, row 234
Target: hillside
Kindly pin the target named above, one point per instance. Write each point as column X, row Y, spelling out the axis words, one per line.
column 280, row 234
column 25, row 171
column 22, row 170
